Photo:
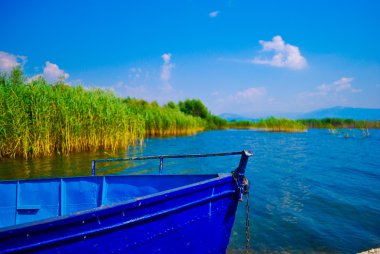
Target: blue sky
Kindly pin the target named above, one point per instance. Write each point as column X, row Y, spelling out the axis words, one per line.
column 247, row 57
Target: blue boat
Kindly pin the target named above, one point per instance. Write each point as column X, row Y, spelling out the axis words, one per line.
column 122, row 214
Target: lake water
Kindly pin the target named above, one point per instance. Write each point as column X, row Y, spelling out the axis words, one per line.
column 310, row 192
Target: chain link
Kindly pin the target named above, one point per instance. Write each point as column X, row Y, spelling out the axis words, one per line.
column 247, row 227
column 244, row 190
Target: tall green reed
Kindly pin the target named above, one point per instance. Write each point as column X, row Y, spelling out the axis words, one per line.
column 271, row 124
column 38, row 119
column 41, row 119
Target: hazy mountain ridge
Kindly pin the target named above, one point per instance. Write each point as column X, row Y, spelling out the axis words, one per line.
column 345, row 112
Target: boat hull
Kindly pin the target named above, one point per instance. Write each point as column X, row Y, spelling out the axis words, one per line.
column 195, row 218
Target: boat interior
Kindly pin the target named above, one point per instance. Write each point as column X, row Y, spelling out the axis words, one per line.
column 32, row 200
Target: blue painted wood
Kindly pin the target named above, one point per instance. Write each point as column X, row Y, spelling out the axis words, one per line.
column 114, row 214
column 174, row 215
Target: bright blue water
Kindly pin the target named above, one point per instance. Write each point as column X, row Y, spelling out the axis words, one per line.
column 310, row 192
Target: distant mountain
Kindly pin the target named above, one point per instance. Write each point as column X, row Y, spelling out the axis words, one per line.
column 344, row 112
column 334, row 112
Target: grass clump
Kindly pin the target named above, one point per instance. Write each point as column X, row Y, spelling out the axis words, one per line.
column 280, row 125
column 165, row 121
column 287, row 125
column 330, row 123
column 195, row 107
column 271, row 124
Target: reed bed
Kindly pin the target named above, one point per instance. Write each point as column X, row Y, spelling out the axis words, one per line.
column 40, row 119
column 165, row 121
column 331, row 123
column 287, row 125
column 280, row 125
column 271, row 124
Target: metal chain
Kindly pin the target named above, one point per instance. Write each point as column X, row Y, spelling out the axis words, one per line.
column 247, row 228
column 244, row 189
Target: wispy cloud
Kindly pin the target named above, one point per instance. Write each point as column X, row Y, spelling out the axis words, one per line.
column 9, row 61
column 337, row 87
column 213, row 14
column 52, row 72
column 250, row 94
column 135, row 73
column 339, row 92
column 285, row 55
column 343, row 84
column 166, row 71
column 141, row 85
column 244, row 100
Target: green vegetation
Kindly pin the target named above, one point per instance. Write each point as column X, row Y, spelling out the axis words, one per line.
column 332, row 123
column 281, row 124
column 38, row 119
column 271, row 124
column 286, row 125
column 198, row 109
column 193, row 107
column 41, row 119
column 164, row 121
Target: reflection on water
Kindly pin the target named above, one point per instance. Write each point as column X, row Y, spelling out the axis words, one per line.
column 310, row 192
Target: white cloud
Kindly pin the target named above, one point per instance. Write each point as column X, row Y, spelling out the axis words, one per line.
column 140, row 84
column 213, row 14
column 251, row 93
column 52, row 72
column 337, row 87
column 342, row 84
column 285, row 55
column 9, row 61
column 166, row 72
column 245, row 100
column 323, row 88
column 144, row 91
column 135, row 73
